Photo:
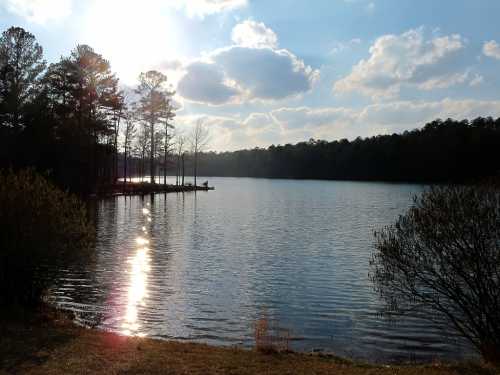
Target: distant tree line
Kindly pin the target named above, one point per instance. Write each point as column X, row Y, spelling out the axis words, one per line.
column 72, row 119
column 441, row 151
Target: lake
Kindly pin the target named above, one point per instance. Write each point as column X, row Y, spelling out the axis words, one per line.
column 206, row 266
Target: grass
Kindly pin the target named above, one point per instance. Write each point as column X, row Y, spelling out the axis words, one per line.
column 44, row 344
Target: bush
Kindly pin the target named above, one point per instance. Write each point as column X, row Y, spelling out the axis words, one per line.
column 270, row 337
column 41, row 228
column 444, row 255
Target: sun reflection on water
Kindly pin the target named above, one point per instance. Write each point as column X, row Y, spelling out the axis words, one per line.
column 139, row 267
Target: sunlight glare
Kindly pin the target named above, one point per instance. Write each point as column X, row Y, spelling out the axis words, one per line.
column 137, row 291
column 133, row 36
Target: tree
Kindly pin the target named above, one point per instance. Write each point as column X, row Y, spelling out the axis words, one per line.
column 180, row 144
column 128, row 136
column 199, row 139
column 444, row 255
column 86, row 104
column 21, row 66
column 118, row 109
column 153, row 107
column 169, row 115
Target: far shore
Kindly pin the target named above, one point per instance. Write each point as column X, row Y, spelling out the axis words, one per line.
column 52, row 344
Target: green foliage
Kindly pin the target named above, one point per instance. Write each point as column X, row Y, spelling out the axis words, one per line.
column 41, row 227
column 444, row 256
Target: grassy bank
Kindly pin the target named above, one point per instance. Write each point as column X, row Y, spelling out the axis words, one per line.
column 52, row 345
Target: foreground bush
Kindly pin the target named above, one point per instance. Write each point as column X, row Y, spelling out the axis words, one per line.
column 40, row 227
column 444, row 254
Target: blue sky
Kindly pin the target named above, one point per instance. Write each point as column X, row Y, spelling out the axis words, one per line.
column 273, row 72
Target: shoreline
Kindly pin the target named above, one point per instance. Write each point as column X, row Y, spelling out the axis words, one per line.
column 53, row 344
column 145, row 188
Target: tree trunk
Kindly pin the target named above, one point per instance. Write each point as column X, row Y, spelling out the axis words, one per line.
column 195, row 167
column 152, row 155
column 165, row 155
column 182, row 169
column 177, row 170
column 124, row 167
column 115, row 156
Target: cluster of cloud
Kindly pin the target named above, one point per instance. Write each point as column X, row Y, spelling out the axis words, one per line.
column 254, row 34
column 492, row 49
column 43, row 11
column 343, row 46
column 407, row 60
column 291, row 125
column 201, row 8
column 39, row 11
column 253, row 68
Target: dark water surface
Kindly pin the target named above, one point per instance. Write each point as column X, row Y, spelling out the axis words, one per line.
column 205, row 266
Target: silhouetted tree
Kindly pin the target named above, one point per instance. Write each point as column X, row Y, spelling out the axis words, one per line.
column 118, row 109
column 180, row 142
column 85, row 103
column 21, row 65
column 169, row 115
column 198, row 140
column 141, row 147
column 153, row 107
column 444, row 255
column 129, row 133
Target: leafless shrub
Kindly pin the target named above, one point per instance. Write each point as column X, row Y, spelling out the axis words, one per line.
column 270, row 337
column 444, row 255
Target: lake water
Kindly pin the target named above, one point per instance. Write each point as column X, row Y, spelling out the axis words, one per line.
column 206, row 266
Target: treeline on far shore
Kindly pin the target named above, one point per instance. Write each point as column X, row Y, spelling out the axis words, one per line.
column 441, row 151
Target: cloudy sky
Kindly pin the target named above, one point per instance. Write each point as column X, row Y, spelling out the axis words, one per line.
column 263, row 72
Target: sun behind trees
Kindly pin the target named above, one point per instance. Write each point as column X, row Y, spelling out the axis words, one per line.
column 68, row 117
column 154, row 107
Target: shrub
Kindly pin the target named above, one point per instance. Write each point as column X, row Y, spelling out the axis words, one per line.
column 270, row 337
column 41, row 228
column 444, row 255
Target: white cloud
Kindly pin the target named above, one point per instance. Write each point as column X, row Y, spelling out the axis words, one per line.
column 492, row 49
column 201, row 8
column 291, row 125
column 408, row 59
column 266, row 73
column 305, row 117
column 206, row 83
column 406, row 115
column 233, row 133
column 40, row 11
column 444, row 81
column 252, row 70
column 254, row 34
column 477, row 80
column 342, row 46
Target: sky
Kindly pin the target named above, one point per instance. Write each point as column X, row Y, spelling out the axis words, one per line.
column 261, row 72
